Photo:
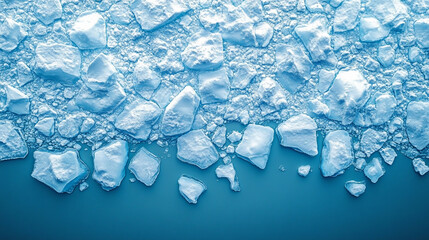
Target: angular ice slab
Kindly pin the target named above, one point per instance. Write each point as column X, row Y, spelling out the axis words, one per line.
column 138, row 118
column 214, row 86
column 58, row 62
column 12, row 144
column 11, row 34
column 100, row 101
column 180, row 113
column 347, row 94
column 109, row 164
column 46, row 126
column 101, row 73
column 145, row 166
column 17, row 102
column 372, row 141
column 204, row 51
column 227, row 171
column 421, row 31
column 47, row 11
column 255, row 146
column 386, row 55
column 191, row 188
column 355, row 188
column 153, row 14
column 236, row 26
column 371, row 30
column 70, row 126
column 304, row 170
column 337, row 153
column 420, row 166
column 299, row 133
column 145, row 80
column 196, row 148
column 374, row 170
column 418, row 124
column 61, row 171
column 346, row 15
column 388, row 154
column 89, row 31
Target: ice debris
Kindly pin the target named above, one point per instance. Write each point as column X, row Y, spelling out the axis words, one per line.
column 304, row 170
column 16, row 101
column 11, row 34
column 145, row 166
column 47, row 11
column 89, row 31
column 388, row 154
column 196, row 148
column 228, row 171
column 213, row 86
column 418, row 124
column 337, row 154
column 346, row 15
column 355, row 188
column 145, row 79
column 372, row 141
column 46, row 126
column 191, row 188
column 374, row 170
column 420, row 166
column 204, row 51
column 12, row 144
column 421, row 31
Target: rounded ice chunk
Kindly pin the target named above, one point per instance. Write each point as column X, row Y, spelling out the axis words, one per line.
column 374, row 170
column 89, row 31
column 46, row 126
column 196, row 148
column 372, row 141
column 145, row 166
column 355, row 188
column 417, row 124
column 304, row 170
column 145, row 80
column 337, row 153
column 12, row 144
column 371, row 30
column 191, row 188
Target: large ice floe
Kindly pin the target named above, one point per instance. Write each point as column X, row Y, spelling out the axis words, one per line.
column 213, row 79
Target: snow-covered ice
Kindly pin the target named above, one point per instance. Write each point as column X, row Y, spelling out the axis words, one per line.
column 89, row 31
column 11, row 34
column 421, row 31
column 17, row 102
column 191, row 188
column 355, row 188
column 145, row 166
column 197, row 149
column 346, row 15
column 304, row 170
column 374, row 170
column 46, row 126
column 372, row 141
column 12, row 144
column 227, row 171
column 213, row 86
column 337, row 153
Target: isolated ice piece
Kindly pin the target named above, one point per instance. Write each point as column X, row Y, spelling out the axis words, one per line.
column 255, row 146
column 263, row 34
column 109, row 164
column 417, row 124
column 100, row 101
column 371, row 30
column 70, row 126
column 360, row 163
column 145, row 166
column 204, row 51
column 236, row 27
column 11, row 34
column 61, row 171
column 355, row 188
column 145, row 80
column 196, row 148
column 421, row 31
column 386, row 55
column 420, row 166
column 316, row 38
column 271, row 96
column 346, row 15
column 191, row 188
column 304, row 170
column 46, row 126
column 347, row 94
column 12, row 144
column 234, row 137
column 388, row 155
column 374, row 170
column 47, row 11
column 17, row 102
column 299, row 133
column 180, row 113
column 120, row 13
column 153, row 14
column 89, row 31
column 218, row 137
column 243, row 74
column 325, row 80
column 337, row 153
column 24, row 74
column 213, row 86
column 228, row 171
column 137, row 118
column 372, row 141
column 58, row 62
column 293, row 67
column 83, row 186
column 100, row 74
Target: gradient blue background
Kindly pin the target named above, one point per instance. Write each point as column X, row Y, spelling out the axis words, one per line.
column 271, row 205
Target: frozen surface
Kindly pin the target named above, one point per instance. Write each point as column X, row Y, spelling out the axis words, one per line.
column 337, row 153
column 374, row 170
column 227, row 171
column 197, row 149
column 145, row 166
column 204, row 51
column 355, row 188
column 191, row 188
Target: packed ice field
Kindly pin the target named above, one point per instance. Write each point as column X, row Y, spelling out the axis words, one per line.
column 110, row 73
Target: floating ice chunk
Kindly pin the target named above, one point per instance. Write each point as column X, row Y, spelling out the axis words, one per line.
column 304, row 170
column 89, row 31
column 317, row 107
column 180, row 113
column 299, row 133
column 17, row 102
column 386, row 55
column 61, row 171
column 325, row 80
column 420, row 166
column 347, row 94
column 145, row 166
column 109, row 164
column 360, row 164
column 374, row 170
column 83, row 186
column 87, row 125
column 371, row 30
column 219, row 138
column 346, row 15
column 70, row 126
column 417, row 124
column 12, row 144
column 214, row 86
column 101, row 101
column 58, row 62
column 378, row 110
column 47, row 11
column 11, row 34
column 145, row 80
column 271, row 95
column 237, row 27
column 335, row 3
column 228, row 171
column 237, row 109
column 293, row 67
column 337, row 153
column 263, row 34
column 255, row 146
column 355, row 188
column 153, row 14
column 372, row 141
column 421, row 31
column 100, row 74
column 46, row 126
column 243, row 74
column 204, row 51
column 388, row 155
column 196, row 148
column 191, row 188
column 234, row 137
column 138, row 118
column 209, row 18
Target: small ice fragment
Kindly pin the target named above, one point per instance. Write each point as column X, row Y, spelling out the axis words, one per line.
column 417, row 124
column 360, row 164
column 191, row 188
column 196, row 148
column 89, row 31
column 47, row 11
column 12, row 144
column 101, row 73
column 46, row 126
column 243, row 73
column 213, row 86
column 11, row 34
column 218, row 137
column 263, row 34
column 337, row 153
column 228, row 171
column 70, row 126
column 304, row 170
column 87, row 125
column 374, row 170
column 355, row 188
column 145, row 80
column 386, row 55
column 420, row 166
column 372, row 141
column 83, row 186
column 17, row 101
column 234, row 137
column 237, row 27
column 325, row 80
column 24, row 73
column 388, row 155
column 371, row 30
column 145, row 166
column 421, row 31
column 346, row 15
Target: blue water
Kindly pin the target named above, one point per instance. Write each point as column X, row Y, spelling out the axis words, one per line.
column 271, row 205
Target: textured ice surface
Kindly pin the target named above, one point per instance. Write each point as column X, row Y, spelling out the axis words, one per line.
column 355, row 188
column 109, row 164
column 420, row 166
column 228, row 171
column 346, row 15
column 374, row 170
column 16, row 101
column 372, row 141
column 61, row 171
column 11, row 34
column 421, row 30
column 12, row 144
column 191, row 188
column 204, row 51
column 418, row 124
column 388, row 154
column 145, row 166
column 214, row 86
column 89, row 31
column 337, row 153
column 197, row 149
column 304, row 170
column 48, row 11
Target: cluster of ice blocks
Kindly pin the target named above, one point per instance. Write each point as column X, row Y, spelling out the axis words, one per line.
column 113, row 73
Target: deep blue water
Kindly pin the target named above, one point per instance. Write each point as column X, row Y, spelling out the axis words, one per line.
column 271, row 205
